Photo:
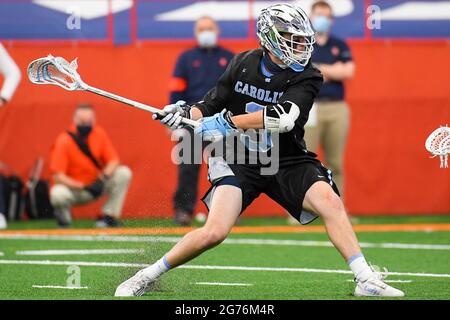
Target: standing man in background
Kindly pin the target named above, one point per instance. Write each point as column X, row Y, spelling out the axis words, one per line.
column 85, row 166
column 11, row 78
column 329, row 119
column 196, row 72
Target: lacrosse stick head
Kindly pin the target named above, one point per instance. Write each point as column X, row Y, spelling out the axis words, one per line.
column 438, row 144
column 57, row 71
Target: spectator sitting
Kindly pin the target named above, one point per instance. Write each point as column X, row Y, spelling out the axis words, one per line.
column 79, row 178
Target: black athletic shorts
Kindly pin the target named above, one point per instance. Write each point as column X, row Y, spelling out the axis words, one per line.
column 287, row 187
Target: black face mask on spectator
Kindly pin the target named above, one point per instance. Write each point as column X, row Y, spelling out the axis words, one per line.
column 84, row 130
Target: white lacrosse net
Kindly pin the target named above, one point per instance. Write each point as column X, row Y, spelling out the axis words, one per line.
column 438, row 144
column 57, row 71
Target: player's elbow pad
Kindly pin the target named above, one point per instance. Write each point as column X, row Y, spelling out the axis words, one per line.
column 281, row 117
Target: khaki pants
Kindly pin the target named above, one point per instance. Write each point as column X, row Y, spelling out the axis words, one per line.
column 63, row 198
column 330, row 131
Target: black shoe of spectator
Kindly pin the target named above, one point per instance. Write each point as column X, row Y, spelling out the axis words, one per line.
column 183, row 218
column 62, row 221
column 63, row 225
column 105, row 221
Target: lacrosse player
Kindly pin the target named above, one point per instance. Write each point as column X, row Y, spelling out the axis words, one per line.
column 11, row 73
column 270, row 88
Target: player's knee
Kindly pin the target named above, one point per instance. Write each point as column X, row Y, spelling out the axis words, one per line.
column 326, row 202
column 213, row 237
column 123, row 174
column 60, row 195
column 333, row 201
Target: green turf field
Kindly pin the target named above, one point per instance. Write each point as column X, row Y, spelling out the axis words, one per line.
column 248, row 266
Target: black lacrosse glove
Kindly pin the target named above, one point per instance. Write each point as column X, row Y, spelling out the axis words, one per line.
column 96, row 189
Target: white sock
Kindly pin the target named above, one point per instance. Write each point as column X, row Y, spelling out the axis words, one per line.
column 158, row 268
column 360, row 267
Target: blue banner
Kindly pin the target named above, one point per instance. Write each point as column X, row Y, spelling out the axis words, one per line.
column 154, row 20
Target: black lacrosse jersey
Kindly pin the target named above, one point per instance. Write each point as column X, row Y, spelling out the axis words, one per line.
column 243, row 88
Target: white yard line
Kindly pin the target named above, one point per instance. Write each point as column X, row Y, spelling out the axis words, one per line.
column 390, row 281
column 223, row 284
column 58, row 287
column 76, row 263
column 302, row 243
column 205, row 267
column 77, row 252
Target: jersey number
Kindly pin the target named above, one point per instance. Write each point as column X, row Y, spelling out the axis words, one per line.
column 264, row 142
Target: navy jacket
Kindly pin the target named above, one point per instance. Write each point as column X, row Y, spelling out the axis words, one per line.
column 333, row 51
column 196, row 72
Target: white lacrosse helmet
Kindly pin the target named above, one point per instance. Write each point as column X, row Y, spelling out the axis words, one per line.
column 296, row 46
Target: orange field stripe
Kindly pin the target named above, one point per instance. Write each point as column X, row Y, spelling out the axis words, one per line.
column 238, row 229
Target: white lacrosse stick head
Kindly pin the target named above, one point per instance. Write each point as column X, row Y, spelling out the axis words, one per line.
column 438, row 144
column 57, row 71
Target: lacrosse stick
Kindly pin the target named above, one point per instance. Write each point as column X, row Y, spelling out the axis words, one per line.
column 58, row 71
column 438, row 144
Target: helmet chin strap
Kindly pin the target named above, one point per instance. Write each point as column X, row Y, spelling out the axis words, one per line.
column 282, row 65
column 297, row 68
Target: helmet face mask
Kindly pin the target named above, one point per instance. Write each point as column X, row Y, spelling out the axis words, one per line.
column 286, row 32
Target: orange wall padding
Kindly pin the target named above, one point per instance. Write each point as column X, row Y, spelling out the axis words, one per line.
column 399, row 95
